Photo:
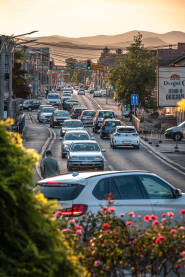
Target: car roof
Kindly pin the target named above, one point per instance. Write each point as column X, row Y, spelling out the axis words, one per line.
column 111, row 119
column 72, row 120
column 89, row 111
column 81, row 177
column 105, row 111
column 85, row 141
column 125, row 127
column 76, row 131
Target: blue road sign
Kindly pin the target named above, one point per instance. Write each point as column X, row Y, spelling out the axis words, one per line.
column 134, row 99
column 112, row 88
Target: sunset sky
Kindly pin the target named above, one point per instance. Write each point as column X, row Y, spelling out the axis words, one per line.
column 75, row 18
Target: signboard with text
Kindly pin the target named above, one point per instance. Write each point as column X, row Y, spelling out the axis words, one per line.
column 171, row 86
column 97, row 67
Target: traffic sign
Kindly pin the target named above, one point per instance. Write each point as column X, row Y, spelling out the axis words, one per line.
column 97, row 67
column 134, row 99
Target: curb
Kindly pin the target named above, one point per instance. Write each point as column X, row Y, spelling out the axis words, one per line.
column 94, row 102
column 178, row 166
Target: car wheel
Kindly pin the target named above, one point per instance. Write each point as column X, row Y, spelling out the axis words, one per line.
column 177, row 136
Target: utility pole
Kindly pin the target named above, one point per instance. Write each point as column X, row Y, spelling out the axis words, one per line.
column 10, row 58
column 2, row 75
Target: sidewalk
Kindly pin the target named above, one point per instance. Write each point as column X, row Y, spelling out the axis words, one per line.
column 166, row 149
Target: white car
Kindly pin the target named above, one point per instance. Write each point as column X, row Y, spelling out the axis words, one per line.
column 81, row 92
column 138, row 191
column 66, row 96
column 103, row 92
column 71, row 125
column 45, row 115
column 125, row 136
column 97, row 93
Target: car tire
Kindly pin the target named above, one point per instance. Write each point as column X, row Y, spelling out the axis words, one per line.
column 177, row 136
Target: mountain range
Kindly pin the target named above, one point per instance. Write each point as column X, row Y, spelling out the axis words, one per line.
column 84, row 48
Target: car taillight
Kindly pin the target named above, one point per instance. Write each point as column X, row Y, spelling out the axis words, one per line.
column 75, row 114
column 76, row 210
column 52, row 183
column 82, row 117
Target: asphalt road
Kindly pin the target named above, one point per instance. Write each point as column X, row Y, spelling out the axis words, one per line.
column 115, row 159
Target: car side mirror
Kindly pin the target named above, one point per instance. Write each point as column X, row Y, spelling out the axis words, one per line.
column 177, row 193
column 103, row 150
column 93, row 138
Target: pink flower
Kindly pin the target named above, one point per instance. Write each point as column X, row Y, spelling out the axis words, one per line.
column 164, row 215
column 106, row 225
column 97, row 263
column 146, row 218
column 111, row 210
column 170, row 214
column 181, row 228
column 67, row 230
column 155, row 222
column 182, row 211
column 122, row 214
column 160, row 239
column 78, row 227
column 132, row 214
column 72, row 221
column 107, row 231
column 173, row 231
column 164, row 220
column 104, row 209
column 153, row 217
column 129, row 223
column 183, row 253
column 178, row 266
column 79, row 231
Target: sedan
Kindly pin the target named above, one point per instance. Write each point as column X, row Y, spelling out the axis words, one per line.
column 58, row 118
column 70, row 137
column 71, row 125
column 125, row 136
column 138, row 191
column 85, row 154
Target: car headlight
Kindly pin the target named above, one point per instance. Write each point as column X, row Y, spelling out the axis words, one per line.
column 66, row 146
column 98, row 158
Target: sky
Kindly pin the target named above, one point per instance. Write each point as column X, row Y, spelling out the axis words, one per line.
column 78, row 18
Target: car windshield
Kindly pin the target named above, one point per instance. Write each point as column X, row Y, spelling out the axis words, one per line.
column 48, row 110
column 85, row 147
column 67, row 90
column 89, row 113
column 66, row 95
column 126, row 130
column 53, row 96
column 106, row 114
column 73, row 124
column 182, row 124
column 76, row 136
column 61, row 113
column 112, row 123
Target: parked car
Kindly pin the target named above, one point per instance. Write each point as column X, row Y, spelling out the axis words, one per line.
column 91, row 91
column 58, row 118
column 71, row 125
column 46, row 114
column 108, row 127
column 138, row 191
column 81, row 92
column 53, row 99
column 72, row 136
column 176, row 133
column 103, row 92
column 77, row 110
column 85, row 154
column 125, row 136
column 30, row 104
column 68, row 103
column 100, row 116
column 87, row 117
column 97, row 93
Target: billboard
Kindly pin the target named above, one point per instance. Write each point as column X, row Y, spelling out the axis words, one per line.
column 171, row 85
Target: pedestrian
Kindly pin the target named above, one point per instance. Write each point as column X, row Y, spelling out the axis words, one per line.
column 49, row 166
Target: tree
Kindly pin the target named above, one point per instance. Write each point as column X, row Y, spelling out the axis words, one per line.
column 19, row 85
column 135, row 74
column 30, row 244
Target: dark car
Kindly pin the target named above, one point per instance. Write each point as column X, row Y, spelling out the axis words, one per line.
column 68, row 104
column 108, row 127
column 76, row 112
column 58, row 118
column 31, row 104
column 100, row 116
column 87, row 117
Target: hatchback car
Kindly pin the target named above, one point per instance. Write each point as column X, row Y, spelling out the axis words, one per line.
column 177, row 132
column 87, row 117
column 100, row 116
column 77, row 110
column 125, row 136
column 68, row 103
column 58, row 118
column 108, row 127
column 138, row 191
column 46, row 114
column 71, row 125
column 72, row 136
column 85, row 154
column 53, row 99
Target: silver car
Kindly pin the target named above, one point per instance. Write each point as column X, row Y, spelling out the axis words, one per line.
column 46, row 114
column 71, row 125
column 70, row 137
column 85, row 154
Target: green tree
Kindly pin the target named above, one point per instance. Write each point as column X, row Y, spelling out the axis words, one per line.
column 135, row 74
column 31, row 245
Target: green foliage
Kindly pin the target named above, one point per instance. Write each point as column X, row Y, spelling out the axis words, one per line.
column 31, row 244
column 135, row 74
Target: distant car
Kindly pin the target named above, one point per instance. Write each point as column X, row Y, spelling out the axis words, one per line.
column 176, row 133
column 53, row 99
column 41, row 107
column 65, row 96
column 81, row 92
column 97, row 93
column 72, row 136
column 68, row 90
column 91, row 91
column 138, row 191
column 85, row 154
column 46, row 114
column 103, row 92
column 58, row 118
column 77, row 110
column 71, row 125
column 87, row 117
column 68, row 103
column 100, row 116
column 108, row 127
column 31, row 104
column 125, row 136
